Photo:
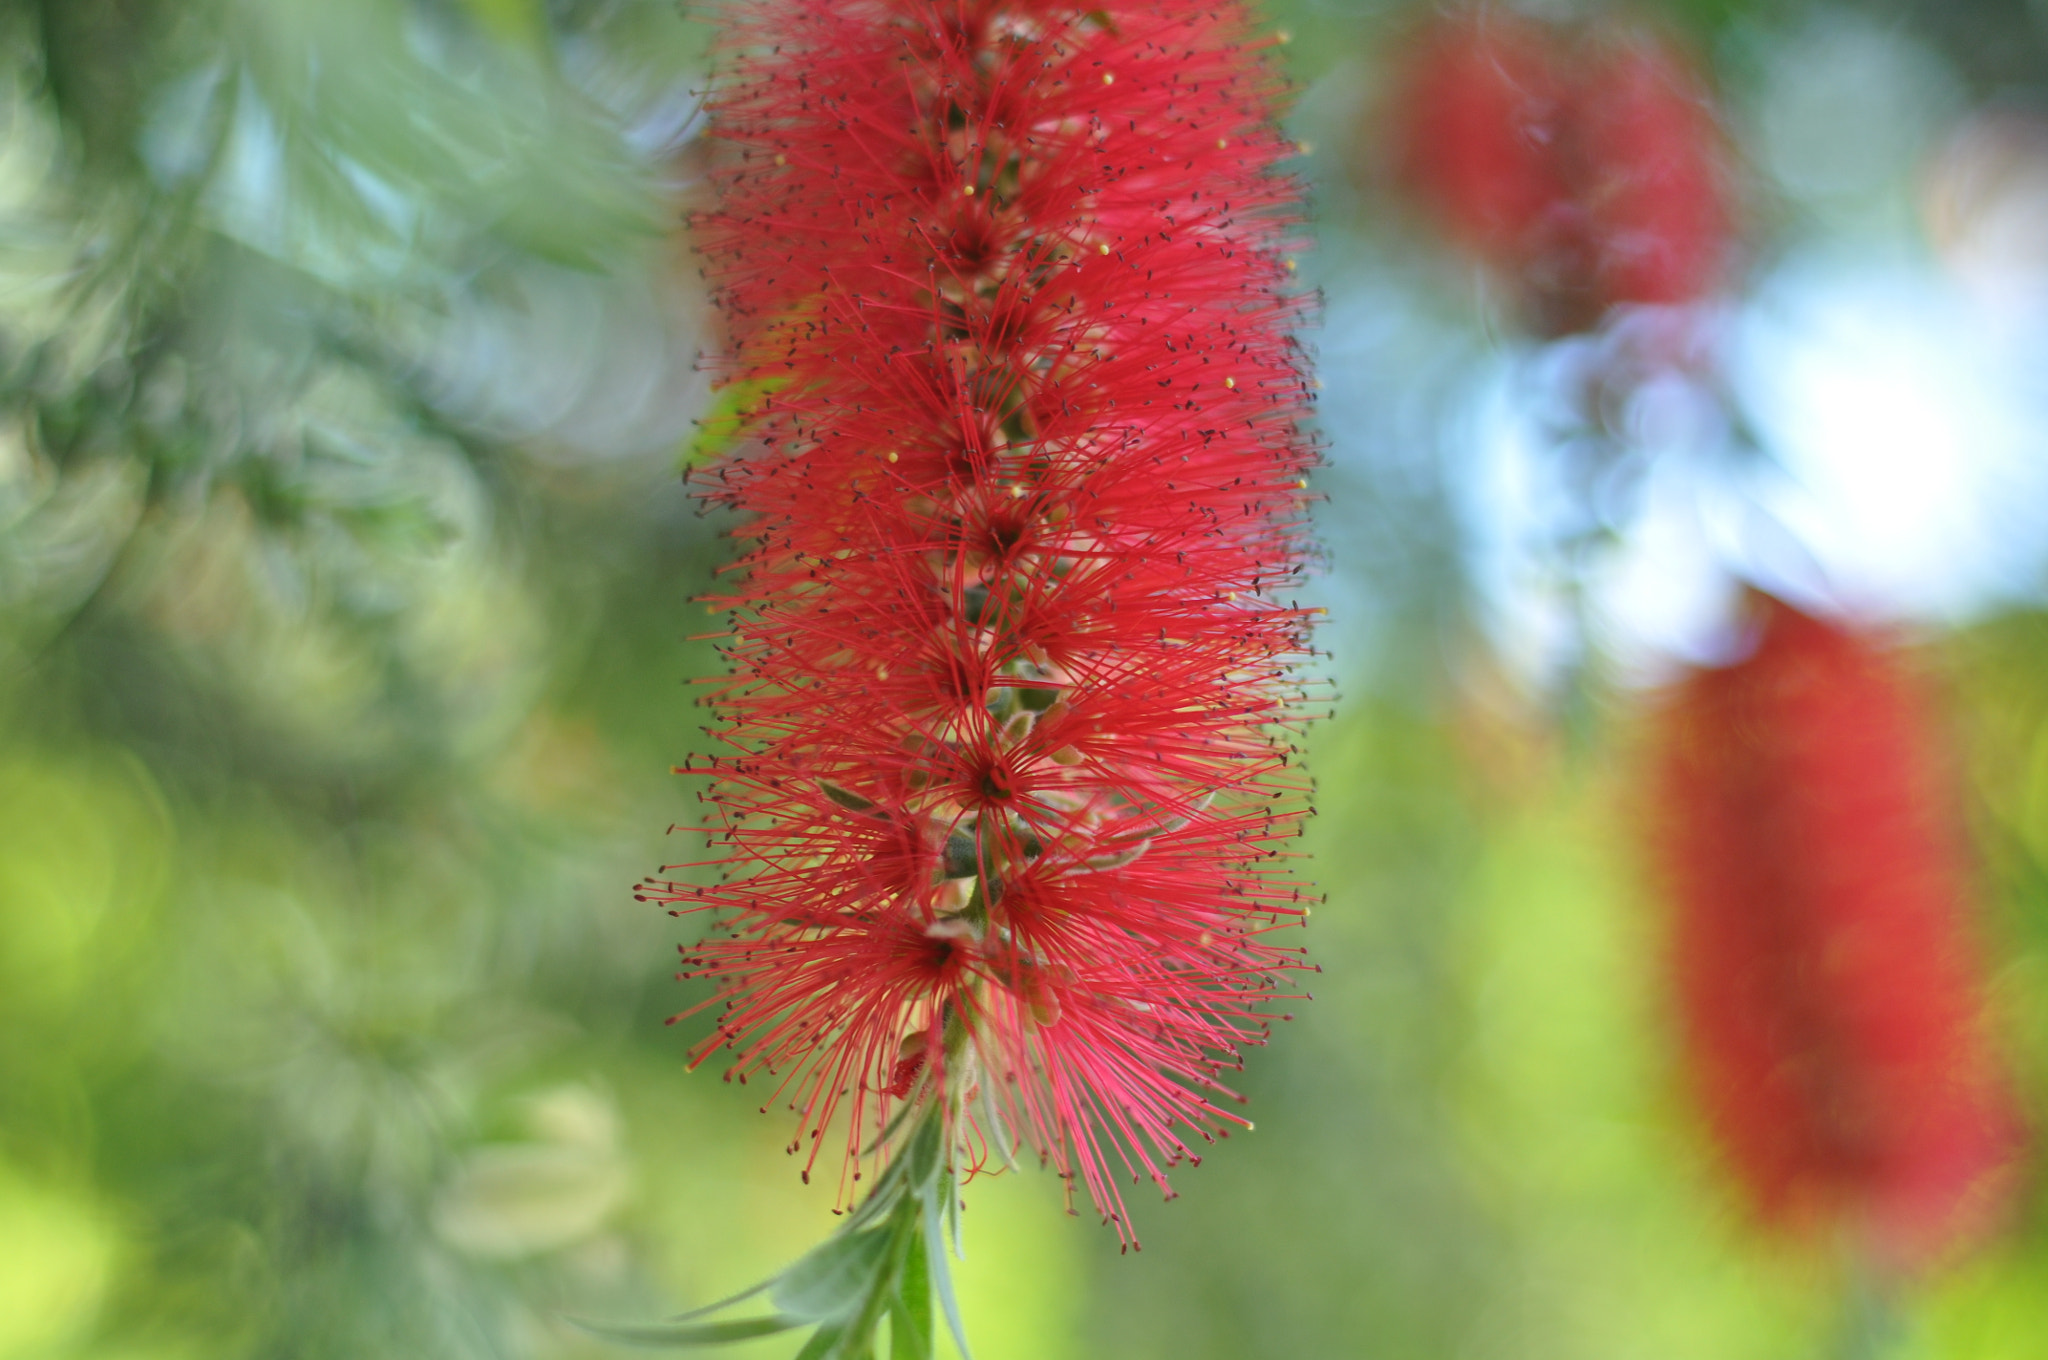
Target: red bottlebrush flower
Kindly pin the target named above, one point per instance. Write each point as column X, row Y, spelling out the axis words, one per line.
column 1651, row 174
column 1827, row 979
column 1592, row 170
column 1477, row 116
column 1009, row 716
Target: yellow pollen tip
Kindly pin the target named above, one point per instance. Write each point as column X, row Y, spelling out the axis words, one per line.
column 969, row 191
column 782, row 160
column 890, row 455
column 1015, row 492
column 1290, row 266
column 1283, row 35
column 1301, row 483
column 1230, row 382
column 1305, row 148
column 1222, row 142
column 1103, row 247
column 1109, row 77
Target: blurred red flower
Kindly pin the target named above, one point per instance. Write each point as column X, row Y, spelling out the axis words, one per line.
column 1588, row 166
column 1826, row 971
column 1479, row 108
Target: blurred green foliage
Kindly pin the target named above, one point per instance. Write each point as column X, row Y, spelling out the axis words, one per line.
column 345, row 364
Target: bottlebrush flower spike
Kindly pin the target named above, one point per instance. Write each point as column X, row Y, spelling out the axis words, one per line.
column 1825, row 968
column 1651, row 174
column 1588, row 167
column 1009, row 721
column 1481, row 96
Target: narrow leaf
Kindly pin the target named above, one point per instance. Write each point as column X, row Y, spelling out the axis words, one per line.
column 910, row 1313
column 682, row 1335
column 708, row 1309
column 907, row 1341
column 952, row 1192
column 941, row 1278
column 923, row 1157
column 833, row 1280
column 824, row 1343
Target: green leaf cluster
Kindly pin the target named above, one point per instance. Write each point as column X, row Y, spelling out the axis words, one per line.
column 886, row 1264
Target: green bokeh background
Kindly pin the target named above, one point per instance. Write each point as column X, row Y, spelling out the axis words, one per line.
column 346, row 358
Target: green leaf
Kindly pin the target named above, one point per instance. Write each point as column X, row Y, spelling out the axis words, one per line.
column 910, row 1313
column 724, row 1303
column 941, row 1278
column 863, row 1330
column 833, row 1280
column 823, row 1343
column 734, row 412
column 687, row 1334
column 950, row 1189
column 923, row 1156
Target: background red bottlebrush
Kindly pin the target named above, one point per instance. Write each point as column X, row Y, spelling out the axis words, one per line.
column 1478, row 107
column 1650, row 172
column 1587, row 166
column 1009, row 769
column 1822, row 941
